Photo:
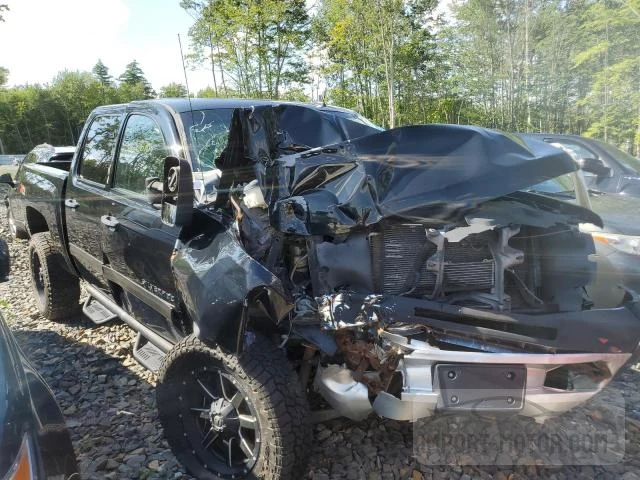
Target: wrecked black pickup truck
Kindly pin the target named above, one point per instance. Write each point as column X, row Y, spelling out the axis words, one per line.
column 264, row 251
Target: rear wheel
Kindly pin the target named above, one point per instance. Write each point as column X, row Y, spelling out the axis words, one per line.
column 14, row 230
column 56, row 290
column 228, row 416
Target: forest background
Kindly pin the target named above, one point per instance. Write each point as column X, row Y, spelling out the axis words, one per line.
column 555, row 66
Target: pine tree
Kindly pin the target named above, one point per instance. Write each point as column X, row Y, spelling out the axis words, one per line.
column 134, row 76
column 101, row 72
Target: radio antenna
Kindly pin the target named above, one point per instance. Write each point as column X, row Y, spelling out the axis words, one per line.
column 193, row 116
column 184, row 69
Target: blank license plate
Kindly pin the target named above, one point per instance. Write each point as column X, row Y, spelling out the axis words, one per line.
column 481, row 387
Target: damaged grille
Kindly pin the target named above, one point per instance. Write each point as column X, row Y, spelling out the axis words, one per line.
column 395, row 249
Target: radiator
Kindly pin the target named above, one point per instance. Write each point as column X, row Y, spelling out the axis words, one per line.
column 468, row 265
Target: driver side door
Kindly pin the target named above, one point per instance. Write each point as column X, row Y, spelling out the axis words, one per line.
column 137, row 245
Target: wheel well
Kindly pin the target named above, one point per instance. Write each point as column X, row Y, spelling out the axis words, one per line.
column 36, row 222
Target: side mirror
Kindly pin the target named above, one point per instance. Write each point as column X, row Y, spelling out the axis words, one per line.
column 594, row 166
column 177, row 192
column 6, row 179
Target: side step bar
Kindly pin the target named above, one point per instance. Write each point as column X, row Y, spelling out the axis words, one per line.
column 147, row 354
column 97, row 313
column 161, row 343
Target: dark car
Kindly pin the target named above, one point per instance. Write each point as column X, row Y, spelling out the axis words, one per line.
column 45, row 154
column 34, row 440
column 606, row 168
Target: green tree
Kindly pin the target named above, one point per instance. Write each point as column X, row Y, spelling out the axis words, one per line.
column 77, row 93
column 210, row 92
column 101, row 72
column 511, row 63
column 173, row 90
column 381, row 56
column 134, row 84
column 260, row 44
column 610, row 35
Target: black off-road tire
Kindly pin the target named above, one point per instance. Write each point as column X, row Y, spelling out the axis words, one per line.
column 56, row 290
column 262, row 373
column 14, row 230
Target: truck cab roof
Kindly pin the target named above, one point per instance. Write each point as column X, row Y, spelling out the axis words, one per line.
column 183, row 105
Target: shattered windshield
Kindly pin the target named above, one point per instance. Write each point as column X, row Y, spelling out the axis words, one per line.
column 207, row 132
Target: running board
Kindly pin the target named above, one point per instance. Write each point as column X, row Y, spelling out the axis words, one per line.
column 97, row 312
column 162, row 343
column 147, row 354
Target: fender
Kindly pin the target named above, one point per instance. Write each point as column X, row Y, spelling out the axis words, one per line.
column 218, row 280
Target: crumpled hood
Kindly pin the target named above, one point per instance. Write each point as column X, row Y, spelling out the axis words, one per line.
column 426, row 172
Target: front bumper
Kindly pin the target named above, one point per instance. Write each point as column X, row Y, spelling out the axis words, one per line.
column 422, row 396
column 584, row 348
column 421, row 391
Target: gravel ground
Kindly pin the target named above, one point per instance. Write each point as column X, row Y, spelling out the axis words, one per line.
column 108, row 401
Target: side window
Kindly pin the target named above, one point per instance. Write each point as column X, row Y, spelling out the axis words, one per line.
column 98, row 149
column 142, row 153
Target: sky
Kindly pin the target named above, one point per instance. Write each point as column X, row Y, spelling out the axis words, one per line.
column 39, row 38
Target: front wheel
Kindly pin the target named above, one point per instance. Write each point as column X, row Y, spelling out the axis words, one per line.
column 228, row 416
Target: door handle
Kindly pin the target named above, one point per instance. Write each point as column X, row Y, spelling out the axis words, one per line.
column 71, row 203
column 109, row 221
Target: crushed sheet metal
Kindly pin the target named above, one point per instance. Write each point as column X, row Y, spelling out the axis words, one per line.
column 215, row 275
column 423, row 172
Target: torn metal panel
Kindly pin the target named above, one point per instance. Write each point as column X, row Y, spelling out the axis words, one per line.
column 215, row 276
column 521, row 208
